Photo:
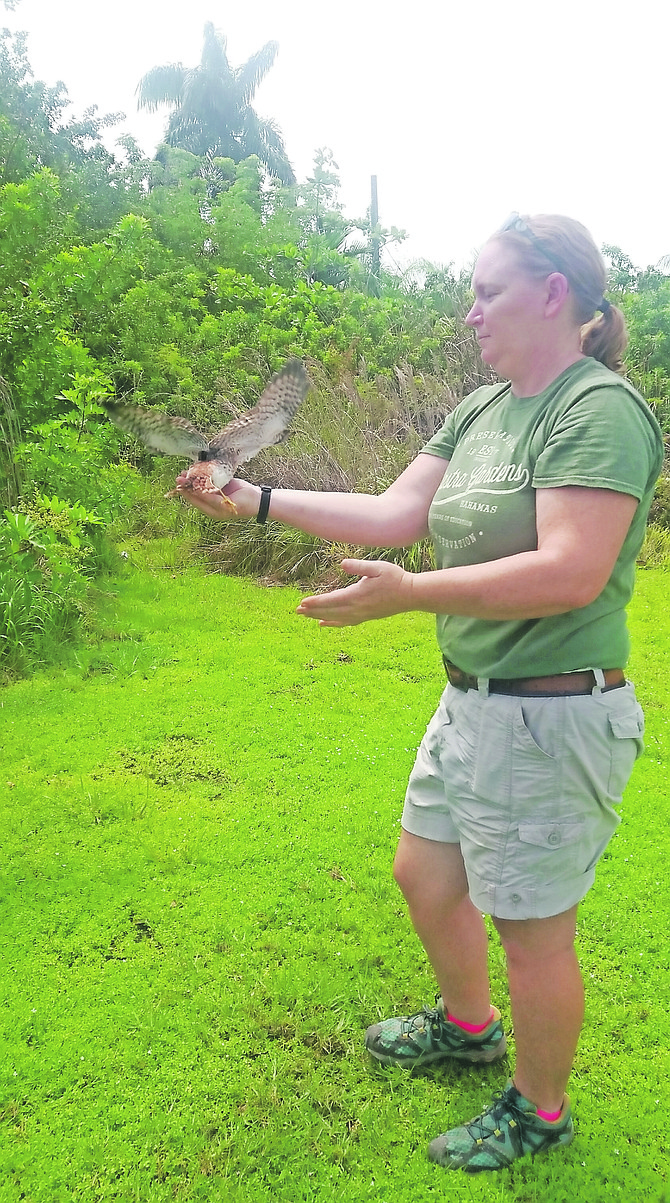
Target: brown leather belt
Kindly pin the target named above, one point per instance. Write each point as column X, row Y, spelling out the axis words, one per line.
column 561, row 684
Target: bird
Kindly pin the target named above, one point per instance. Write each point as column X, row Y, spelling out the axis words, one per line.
column 218, row 457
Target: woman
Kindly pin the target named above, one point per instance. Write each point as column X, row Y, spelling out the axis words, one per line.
column 536, row 494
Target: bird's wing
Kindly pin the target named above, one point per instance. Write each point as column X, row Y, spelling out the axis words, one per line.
column 158, row 432
column 268, row 422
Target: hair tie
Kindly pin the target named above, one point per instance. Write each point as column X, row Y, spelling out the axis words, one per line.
column 604, row 306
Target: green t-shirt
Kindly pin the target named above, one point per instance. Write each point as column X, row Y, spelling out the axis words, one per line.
column 589, row 427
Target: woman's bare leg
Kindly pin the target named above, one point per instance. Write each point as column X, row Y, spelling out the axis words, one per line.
column 547, row 996
column 432, row 878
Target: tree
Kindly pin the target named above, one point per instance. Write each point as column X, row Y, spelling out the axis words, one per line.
column 33, row 131
column 319, row 210
column 624, row 277
column 212, row 113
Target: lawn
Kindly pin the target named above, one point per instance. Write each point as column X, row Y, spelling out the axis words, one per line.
column 198, row 919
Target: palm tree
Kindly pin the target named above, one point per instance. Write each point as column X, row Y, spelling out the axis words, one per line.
column 211, row 106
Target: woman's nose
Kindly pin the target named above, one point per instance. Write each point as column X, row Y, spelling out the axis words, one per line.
column 473, row 316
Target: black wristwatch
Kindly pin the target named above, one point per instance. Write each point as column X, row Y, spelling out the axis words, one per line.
column 262, row 515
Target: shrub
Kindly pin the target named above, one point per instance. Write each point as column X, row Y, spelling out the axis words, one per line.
column 71, row 534
column 42, row 593
column 73, row 456
column 659, row 514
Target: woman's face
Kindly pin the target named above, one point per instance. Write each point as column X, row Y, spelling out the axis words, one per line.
column 508, row 315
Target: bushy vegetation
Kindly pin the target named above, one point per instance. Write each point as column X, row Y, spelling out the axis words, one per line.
column 183, row 282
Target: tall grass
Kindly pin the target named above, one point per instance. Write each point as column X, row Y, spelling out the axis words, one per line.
column 349, row 435
column 36, row 621
column 10, row 480
column 276, row 554
column 352, row 433
column 655, row 552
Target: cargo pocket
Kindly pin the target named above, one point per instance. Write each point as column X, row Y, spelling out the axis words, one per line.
column 550, row 851
column 552, row 835
column 627, row 744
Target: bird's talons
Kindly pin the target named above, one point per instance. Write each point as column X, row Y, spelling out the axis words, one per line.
column 206, row 490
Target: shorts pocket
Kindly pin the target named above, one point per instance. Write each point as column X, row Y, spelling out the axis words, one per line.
column 537, row 766
column 627, row 745
column 538, row 727
column 628, row 726
column 548, row 852
column 552, row 835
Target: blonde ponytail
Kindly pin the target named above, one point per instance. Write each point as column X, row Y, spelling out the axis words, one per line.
column 605, row 338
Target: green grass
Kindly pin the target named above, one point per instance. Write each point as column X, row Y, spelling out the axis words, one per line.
column 198, row 920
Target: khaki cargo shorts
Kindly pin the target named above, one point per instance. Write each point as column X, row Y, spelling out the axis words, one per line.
column 527, row 786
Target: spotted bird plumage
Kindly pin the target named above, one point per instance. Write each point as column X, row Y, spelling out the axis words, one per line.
column 217, row 459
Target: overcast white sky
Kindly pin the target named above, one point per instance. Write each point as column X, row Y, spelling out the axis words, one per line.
column 464, row 111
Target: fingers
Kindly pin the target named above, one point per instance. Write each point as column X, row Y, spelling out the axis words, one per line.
column 238, row 499
column 330, row 608
column 319, row 603
column 361, row 567
column 382, row 590
column 207, row 503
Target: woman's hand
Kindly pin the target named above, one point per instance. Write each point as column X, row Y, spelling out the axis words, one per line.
column 383, row 589
column 245, row 497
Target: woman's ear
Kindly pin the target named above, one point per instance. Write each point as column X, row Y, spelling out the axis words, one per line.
column 558, row 291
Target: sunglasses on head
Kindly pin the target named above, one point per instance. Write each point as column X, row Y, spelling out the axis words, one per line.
column 515, row 224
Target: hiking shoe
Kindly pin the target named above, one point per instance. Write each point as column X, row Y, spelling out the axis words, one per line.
column 508, row 1129
column 427, row 1036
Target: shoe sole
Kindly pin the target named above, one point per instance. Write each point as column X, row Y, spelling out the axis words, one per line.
column 476, row 1057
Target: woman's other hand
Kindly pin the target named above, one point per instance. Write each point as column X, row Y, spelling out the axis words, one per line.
column 383, row 589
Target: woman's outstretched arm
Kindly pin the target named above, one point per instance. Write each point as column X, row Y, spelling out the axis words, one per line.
column 396, row 518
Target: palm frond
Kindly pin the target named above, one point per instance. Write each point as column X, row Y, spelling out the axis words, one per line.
column 353, row 249
column 250, row 74
column 161, row 85
column 262, row 137
column 185, row 132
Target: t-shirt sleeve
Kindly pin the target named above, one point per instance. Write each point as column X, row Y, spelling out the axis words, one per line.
column 604, row 440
